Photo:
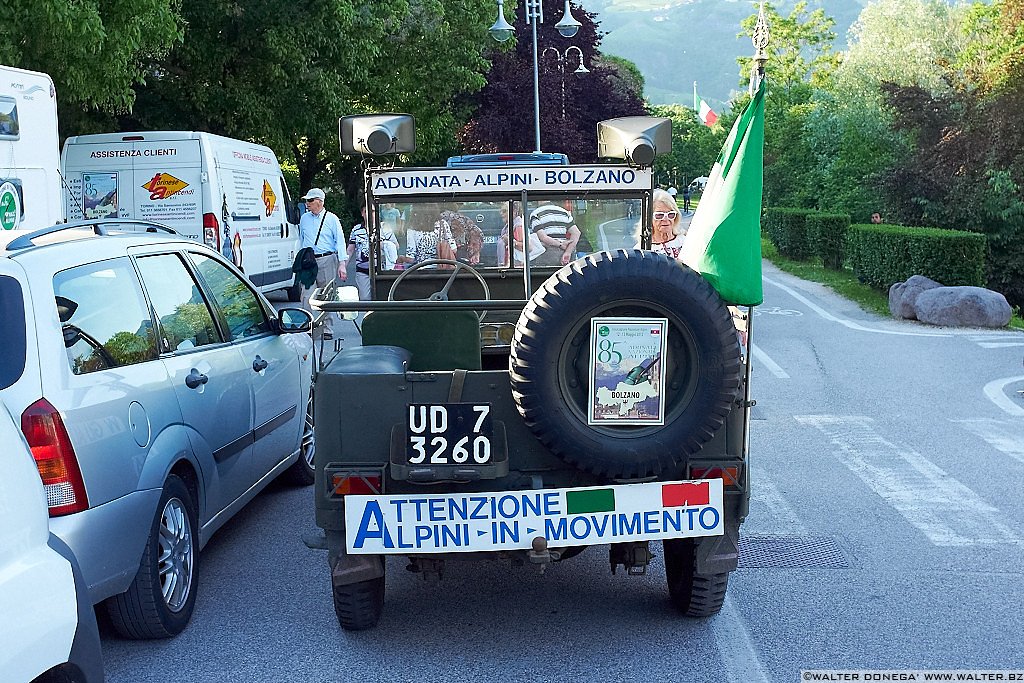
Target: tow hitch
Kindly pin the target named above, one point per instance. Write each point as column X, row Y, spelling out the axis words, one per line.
column 634, row 556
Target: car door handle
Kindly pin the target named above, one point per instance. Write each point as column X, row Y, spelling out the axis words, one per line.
column 259, row 364
column 195, row 379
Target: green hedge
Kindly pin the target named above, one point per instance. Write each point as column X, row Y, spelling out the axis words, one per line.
column 787, row 230
column 884, row 254
column 827, row 235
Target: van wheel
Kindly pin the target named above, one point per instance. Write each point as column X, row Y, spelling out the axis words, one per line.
column 159, row 602
column 359, row 605
column 294, row 293
column 695, row 595
column 550, row 362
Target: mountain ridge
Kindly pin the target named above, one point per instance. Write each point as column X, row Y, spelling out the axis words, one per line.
column 677, row 42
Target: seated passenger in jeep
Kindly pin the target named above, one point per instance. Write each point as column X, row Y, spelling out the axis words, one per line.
column 557, row 231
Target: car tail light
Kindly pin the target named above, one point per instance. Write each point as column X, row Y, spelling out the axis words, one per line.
column 365, row 485
column 55, row 458
column 730, row 476
column 211, row 231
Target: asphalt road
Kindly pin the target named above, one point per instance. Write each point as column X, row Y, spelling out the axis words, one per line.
column 885, row 531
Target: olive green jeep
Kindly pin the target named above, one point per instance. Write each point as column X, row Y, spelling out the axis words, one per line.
column 502, row 408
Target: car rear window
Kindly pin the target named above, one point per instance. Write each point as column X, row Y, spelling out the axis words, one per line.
column 12, row 333
column 104, row 318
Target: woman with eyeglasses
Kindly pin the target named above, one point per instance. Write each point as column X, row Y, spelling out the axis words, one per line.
column 667, row 234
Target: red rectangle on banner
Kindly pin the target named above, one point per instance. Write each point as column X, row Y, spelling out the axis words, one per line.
column 680, row 495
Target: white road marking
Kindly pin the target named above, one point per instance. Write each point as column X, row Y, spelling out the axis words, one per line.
column 736, row 648
column 999, row 345
column 849, row 323
column 994, row 391
column 946, row 511
column 772, row 366
column 770, row 514
column 1003, row 435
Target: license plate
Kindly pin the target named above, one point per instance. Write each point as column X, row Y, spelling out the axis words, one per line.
column 449, row 434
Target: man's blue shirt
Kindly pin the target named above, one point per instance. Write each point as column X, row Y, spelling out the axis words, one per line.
column 331, row 237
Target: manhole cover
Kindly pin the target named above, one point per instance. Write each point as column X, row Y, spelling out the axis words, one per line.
column 791, row 552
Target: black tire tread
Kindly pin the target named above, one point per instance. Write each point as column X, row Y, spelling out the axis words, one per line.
column 359, row 605
column 137, row 613
column 529, row 361
column 695, row 595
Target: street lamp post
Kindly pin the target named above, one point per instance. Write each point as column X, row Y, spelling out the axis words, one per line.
column 562, row 58
column 502, row 31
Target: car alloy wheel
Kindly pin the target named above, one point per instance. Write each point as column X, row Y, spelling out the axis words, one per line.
column 175, row 561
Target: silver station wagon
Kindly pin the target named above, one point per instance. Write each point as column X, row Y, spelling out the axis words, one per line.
column 159, row 393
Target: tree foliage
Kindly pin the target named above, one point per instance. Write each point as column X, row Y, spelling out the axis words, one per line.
column 95, row 50
column 504, row 107
column 694, row 146
column 283, row 73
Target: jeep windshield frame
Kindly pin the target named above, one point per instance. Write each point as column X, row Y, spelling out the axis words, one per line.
column 610, row 204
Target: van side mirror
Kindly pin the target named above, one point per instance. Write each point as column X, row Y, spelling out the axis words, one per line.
column 291, row 212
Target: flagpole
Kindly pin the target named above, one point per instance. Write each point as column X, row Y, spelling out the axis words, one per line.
column 760, row 40
column 695, row 96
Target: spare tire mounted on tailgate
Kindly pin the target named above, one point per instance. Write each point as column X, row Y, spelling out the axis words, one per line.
column 550, row 362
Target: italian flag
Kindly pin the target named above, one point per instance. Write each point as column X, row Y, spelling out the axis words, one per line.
column 707, row 115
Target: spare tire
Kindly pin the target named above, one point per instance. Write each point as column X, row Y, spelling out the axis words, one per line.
column 550, row 362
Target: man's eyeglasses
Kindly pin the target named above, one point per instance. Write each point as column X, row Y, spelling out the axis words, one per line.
column 662, row 215
column 310, row 201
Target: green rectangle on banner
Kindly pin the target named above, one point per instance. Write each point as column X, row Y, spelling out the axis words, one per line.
column 580, row 502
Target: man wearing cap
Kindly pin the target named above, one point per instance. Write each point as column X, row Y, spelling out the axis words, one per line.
column 321, row 230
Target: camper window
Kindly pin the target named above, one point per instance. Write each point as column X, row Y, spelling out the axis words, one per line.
column 9, row 128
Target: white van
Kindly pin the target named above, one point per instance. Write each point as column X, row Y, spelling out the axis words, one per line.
column 29, row 150
column 229, row 194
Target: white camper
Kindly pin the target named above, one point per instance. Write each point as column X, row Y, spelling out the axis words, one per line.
column 29, row 150
column 229, row 194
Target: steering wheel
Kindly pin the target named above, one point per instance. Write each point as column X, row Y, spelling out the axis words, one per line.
column 442, row 294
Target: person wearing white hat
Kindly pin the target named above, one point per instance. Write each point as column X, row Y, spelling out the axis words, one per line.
column 321, row 230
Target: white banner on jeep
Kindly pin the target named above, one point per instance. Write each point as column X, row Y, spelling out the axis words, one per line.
column 509, row 179
column 509, row 520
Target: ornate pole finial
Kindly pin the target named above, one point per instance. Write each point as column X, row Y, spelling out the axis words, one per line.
column 760, row 39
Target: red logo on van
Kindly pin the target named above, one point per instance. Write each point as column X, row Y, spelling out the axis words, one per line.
column 163, row 185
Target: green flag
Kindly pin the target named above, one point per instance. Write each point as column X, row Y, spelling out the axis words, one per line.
column 724, row 240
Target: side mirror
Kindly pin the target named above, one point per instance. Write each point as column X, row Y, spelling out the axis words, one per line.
column 294, row 320
column 291, row 212
column 377, row 134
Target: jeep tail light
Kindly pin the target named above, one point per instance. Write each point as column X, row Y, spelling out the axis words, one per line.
column 359, row 484
column 730, row 476
column 211, row 231
column 55, row 458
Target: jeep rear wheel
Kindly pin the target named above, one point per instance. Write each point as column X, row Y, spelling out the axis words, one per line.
column 359, row 605
column 695, row 595
column 550, row 362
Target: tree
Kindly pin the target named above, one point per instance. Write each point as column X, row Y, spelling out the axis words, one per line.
column 694, row 146
column 800, row 51
column 504, row 107
column 94, row 50
column 800, row 58
column 283, row 73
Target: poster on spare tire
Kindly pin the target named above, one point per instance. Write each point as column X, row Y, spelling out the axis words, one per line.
column 626, row 372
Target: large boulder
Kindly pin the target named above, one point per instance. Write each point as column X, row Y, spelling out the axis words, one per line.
column 903, row 296
column 962, row 307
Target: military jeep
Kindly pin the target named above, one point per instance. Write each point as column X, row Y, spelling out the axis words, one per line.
column 498, row 408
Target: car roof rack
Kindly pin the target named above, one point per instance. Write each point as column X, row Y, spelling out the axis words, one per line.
column 99, row 227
